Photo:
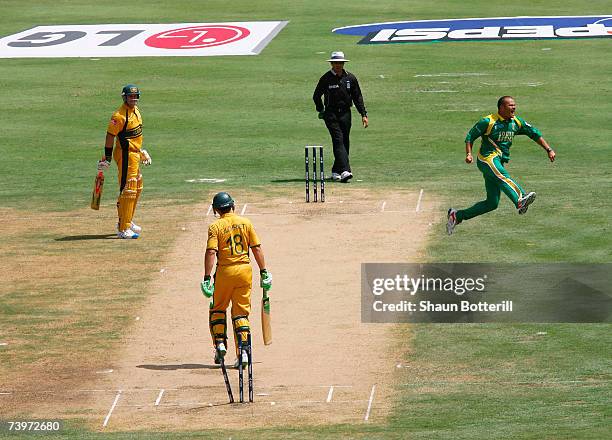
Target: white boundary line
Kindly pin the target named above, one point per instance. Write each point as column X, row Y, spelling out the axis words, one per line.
column 330, row 394
column 367, row 414
column 418, row 206
column 111, row 409
column 161, row 393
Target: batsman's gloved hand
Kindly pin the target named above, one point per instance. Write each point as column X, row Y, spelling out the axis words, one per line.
column 145, row 157
column 266, row 279
column 103, row 165
column 321, row 115
column 207, row 286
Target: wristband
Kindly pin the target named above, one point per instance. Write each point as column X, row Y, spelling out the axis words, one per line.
column 263, row 271
column 206, row 277
column 108, row 153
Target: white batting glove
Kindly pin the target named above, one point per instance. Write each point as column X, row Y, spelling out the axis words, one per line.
column 103, row 165
column 145, row 157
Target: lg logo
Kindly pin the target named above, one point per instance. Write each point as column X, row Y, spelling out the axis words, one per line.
column 184, row 38
column 197, row 37
column 125, row 40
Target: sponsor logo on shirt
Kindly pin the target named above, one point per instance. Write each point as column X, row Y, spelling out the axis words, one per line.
column 479, row 29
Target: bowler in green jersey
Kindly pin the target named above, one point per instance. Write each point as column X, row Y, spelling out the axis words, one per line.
column 497, row 132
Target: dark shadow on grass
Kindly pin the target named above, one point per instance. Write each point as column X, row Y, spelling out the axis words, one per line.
column 327, row 179
column 172, row 367
column 286, row 180
column 87, row 237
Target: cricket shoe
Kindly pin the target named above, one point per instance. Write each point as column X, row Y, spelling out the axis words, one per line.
column 245, row 360
column 128, row 233
column 452, row 221
column 133, row 226
column 346, row 176
column 525, row 201
column 220, row 353
column 335, row 177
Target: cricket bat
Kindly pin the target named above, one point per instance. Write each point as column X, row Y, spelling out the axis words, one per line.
column 97, row 191
column 266, row 320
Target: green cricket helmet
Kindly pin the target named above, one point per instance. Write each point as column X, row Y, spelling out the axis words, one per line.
column 222, row 200
column 130, row 89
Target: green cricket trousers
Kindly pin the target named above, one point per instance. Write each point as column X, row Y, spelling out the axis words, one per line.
column 496, row 180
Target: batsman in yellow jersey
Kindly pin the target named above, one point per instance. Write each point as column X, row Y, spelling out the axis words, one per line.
column 126, row 126
column 229, row 240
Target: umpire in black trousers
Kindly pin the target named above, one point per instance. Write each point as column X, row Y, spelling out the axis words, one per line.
column 339, row 89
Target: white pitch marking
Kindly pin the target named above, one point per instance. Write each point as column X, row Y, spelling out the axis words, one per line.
column 138, row 390
column 111, row 409
column 161, row 393
column 5, row 394
column 138, row 318
column 382, row 208
column 367, row 414
column 243, row 209
column 418, row 206
column 437, row 91
column 209, row 209
column 330, row 394
column 463, row 110
column 452, row 74
column 110, row 370
column 543, row 382
column 205, row 180
column 335, row 386
column 3, row 343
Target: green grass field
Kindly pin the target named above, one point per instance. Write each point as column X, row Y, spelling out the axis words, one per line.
column 246, row 119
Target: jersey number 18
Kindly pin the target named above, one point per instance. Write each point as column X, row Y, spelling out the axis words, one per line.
column 235, row 244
